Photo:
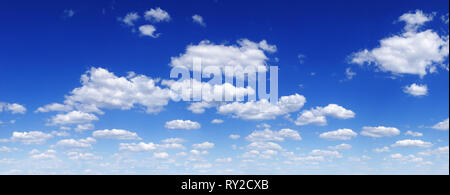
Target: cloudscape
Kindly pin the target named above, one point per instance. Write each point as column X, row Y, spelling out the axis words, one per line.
column 224, row 87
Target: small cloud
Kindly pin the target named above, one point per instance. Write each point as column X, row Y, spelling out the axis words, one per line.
column 148, row 30
column 130, row 18
column 235, row 137
column 301, row 58
column 157, row 15
column 198, row 19
column 68, row 13
column 349, row 74
column 416, row 90
column 217, row 121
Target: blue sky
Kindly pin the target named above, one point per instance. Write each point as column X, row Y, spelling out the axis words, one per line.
column 367, row 84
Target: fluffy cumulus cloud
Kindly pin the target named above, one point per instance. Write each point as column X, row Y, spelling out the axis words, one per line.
column 341, row 147
column 264, row 146
column 102, row 89
column 148, row 30
column 168, row 144
column 198, row 20
column 326, row 153
column 55, row 107
column 83, row 156
column 263, row 109
column 115, row 134
column 269, row 135
column 161, row 155
column 380, row 131
column 340, row 134
column 76, row 144
column 318, row 115
column 235, row 137
column 414, row 134
column 217, row 121
column 48, row 155
column 204, row 145
column 415, row 20
column 412, row 143
column 381, row 150
column 263, row 143
column 140, row 147
column 412, row 52
column 130, row 18
column 443, row 126
column 32, row 137
column 416, row 90
column 14, row 108
column 185, row 89
column 74, row 117
column 182, row 125
column 157, row 15
column 245, row 54
column 407, row 158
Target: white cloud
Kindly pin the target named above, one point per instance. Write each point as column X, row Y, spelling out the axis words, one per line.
column 167, row 144
column 68, row 13
column 416, row 90
column 49, row 154
column 202, row 166
column 349, row 73
column 204, row 145
column 445, row 18
column 235, row 137
column 264, row 146
column 140, row 147
column 55, row 107
column 148, row 30
column 412, row 143
column 340, row 134
column 84, row 127
column 408, row 158
column 182, row 125
column 198, row 19
column 32, row 137
column 102, row 89
column 263, row 109
column 341, row 147
column 411, row 52
column 185, row 90
column 83, row 156
column 326, row 153
column 161, row 155
column 173, row 140
column 72, row 143
column 116, row 134
column 414, row 134
column 318, row 115
column 301, row 58
column 269, row 135
column 130, row 18
column 378, row 132
column 14, row 108
column 224, row 160
column 381, row 150
column 74, row 117
column 196, row 152
column 443, row 126
column 245, row 54
column 415, row 20
column 7, row 149
column 217, row 121
column 157, row 15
